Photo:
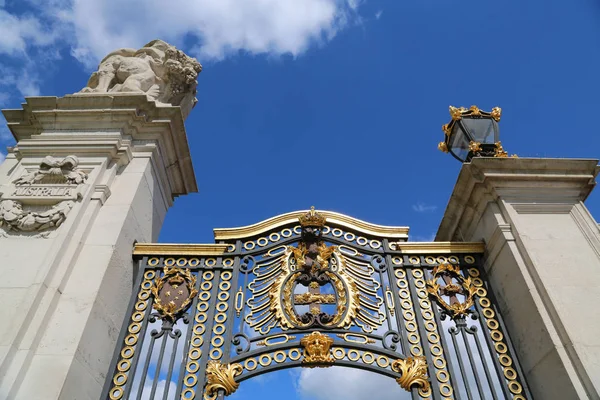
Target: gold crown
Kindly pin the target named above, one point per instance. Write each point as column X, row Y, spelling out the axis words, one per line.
column 312, row 218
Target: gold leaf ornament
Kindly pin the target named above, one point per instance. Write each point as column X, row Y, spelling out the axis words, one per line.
column 457, row 309
column 221, row 377
column 413, row 372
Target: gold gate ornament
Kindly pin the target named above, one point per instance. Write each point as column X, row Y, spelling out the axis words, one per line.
column 317, row 349
column 465, row 287
column 221, row 377
column 173, row 292
column 413, row 371
column 313, row 290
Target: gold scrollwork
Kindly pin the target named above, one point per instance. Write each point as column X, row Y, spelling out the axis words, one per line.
column 413, row 372
column 272, row 302
column 170, row 305
column 465, row 286
column 317, row 350
column 221, row 377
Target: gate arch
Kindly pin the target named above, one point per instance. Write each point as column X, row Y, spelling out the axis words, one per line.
column 313, row 289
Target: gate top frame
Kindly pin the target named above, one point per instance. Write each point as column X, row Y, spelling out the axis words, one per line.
column 374, row 301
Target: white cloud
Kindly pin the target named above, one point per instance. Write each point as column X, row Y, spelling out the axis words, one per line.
column 90, row 29
column 422, row 207
column 378, row 14
column 222, row 27
column 347, row 384
column 17, row 32
column 160, row 389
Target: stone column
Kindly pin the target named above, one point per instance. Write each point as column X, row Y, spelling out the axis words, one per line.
column 65, row 289
column 543, row 263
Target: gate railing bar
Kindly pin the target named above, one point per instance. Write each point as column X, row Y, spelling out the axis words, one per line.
column 486, row 368
column 422, row 331
column 126, row 321
column 463, row 333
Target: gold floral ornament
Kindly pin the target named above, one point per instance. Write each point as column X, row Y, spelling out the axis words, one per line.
column 413, row 372
column 457, row 112
column 499, row 151
column 221, row 377
column 475, row 110
column 443, row 147
column 464, row 287
column 317, row 350
column 173, row 293
column 496, row 113
column 474, row 146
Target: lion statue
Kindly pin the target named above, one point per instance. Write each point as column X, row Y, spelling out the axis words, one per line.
column 165, row 74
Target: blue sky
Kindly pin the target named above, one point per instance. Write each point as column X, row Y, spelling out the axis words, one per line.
column 332, row 103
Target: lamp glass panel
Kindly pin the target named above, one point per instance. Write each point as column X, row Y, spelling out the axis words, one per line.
column 459, row 142
column 482, row 130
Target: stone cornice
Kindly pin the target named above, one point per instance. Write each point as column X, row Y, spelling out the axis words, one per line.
column 515, row 180
column 117, row 126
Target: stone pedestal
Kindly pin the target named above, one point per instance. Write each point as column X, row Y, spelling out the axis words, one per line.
column 543, row 262
column 64, row 290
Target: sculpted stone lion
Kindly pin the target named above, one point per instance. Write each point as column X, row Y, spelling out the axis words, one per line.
column 165, row 74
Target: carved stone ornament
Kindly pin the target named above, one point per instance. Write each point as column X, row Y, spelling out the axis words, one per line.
column 13, row 217
column 173, row 292
column 221, row 377
column 455, row 309
column 51, row 190
column 165, row 74
column 317, row 350
column 413, row 372
column 52, row 170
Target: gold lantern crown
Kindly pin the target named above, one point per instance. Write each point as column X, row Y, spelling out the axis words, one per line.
column 312, row 218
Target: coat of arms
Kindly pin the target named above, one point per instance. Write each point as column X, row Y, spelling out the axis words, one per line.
column 313, row 285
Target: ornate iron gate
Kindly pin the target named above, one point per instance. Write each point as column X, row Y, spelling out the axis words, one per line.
column 313, row 290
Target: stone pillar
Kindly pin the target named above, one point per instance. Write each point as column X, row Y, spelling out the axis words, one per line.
column 543, row 263
column 65, row 289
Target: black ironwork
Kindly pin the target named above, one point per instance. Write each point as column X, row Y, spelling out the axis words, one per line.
column 410, row 305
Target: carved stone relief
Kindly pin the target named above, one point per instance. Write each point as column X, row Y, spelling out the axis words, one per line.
column 41, row 199
column 53, row 170
column 13, row 217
